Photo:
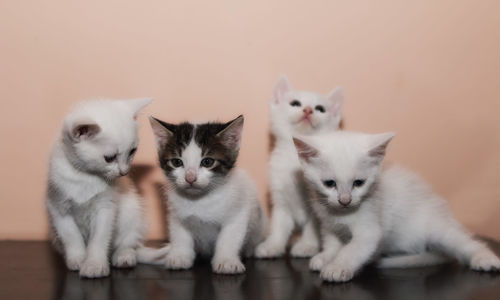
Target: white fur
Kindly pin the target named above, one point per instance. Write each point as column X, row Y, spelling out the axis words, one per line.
column 290, row 210
column 225, row 223
column 393, row 213
column 91, row 207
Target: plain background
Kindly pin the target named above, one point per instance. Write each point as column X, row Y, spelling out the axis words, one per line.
column 428, row 70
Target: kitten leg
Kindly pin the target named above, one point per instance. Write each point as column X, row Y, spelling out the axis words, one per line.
column 458, row 242
column 69, row 234
column 331, row 246
column 226, row 259
column 308, row 244
column 96, row 264
column 280, row 230
column 351, row 257
column 181, row 254
column 130, row 229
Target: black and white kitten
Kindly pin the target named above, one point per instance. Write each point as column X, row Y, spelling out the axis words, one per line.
column 214, row 207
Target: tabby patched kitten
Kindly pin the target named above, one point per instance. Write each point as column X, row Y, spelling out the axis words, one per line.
column 292, row 113
column 366, row 214
column 214, row 207
column 94, row 209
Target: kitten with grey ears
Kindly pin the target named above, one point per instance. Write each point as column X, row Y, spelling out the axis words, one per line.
column 92, row 207
column 390, row 217
column 214, row 207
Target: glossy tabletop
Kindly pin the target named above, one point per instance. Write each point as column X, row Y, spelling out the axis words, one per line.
column 31, row 270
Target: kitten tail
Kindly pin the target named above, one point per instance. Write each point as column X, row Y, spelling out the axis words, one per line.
column 411, row 261
column 152, row 256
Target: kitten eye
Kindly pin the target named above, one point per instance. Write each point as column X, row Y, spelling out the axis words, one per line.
column 320, row 108
column 109, row 158
column 358, row 182
column 295, row 103
column 132, row 152
column 176, row 163
column 330, row 183
column 207, row 162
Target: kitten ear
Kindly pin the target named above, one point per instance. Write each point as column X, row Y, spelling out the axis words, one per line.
column 231, row 134
column 379, row 144
column 84, row 130
column 280, row 89
column 304, row 150
column 138, row 104
column 162, row 134
column 336, row 98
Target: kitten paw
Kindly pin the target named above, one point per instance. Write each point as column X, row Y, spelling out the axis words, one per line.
column 176, row 261
column 75, row 261
column 304, row 249
column 334, row 273
column 228, row 266
column 316, row 263
column 485, row 261
column 266, row 250
column 124, row 258
column 94, row 268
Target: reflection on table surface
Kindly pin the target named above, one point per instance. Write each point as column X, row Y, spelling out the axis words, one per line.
column 31, row 269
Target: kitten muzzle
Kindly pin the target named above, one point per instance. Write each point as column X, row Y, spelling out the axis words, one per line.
column 345, row 199
column 190, row 177
column 307, row 111
column 307, row 115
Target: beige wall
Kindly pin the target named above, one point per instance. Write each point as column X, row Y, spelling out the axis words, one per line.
column 428, row 70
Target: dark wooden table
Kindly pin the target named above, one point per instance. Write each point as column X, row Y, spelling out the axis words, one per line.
column 30, row 270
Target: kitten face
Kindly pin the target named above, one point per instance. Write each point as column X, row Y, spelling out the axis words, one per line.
column 306, row 112
column 197, row 158
column 342, row 167
column 101, row 136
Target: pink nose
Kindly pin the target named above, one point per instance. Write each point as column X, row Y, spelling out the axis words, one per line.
column 345, row 200
column 190, row 177
column 307, row 110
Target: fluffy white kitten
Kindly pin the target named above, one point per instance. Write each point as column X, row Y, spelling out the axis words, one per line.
column 365, row 213
column 91, row 206
column 214, row 208
column 293, row 113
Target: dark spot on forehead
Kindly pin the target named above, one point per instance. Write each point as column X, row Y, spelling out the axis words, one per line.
column 182, row 135
column 211, row 145
column 206, row 136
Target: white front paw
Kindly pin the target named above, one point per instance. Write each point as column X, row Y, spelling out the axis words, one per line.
column 336, row 273
column 228, row 266
column 178, row 261
column 317, row 262
column 74, row 261
column 95, row 268
column 304, row 249
column 485, row 261
column 124, row 258
column 268, row 250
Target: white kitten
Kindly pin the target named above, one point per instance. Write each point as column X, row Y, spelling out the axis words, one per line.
column 214, row 208
column 292, row 113
column 365, row 213
column 90, row 207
